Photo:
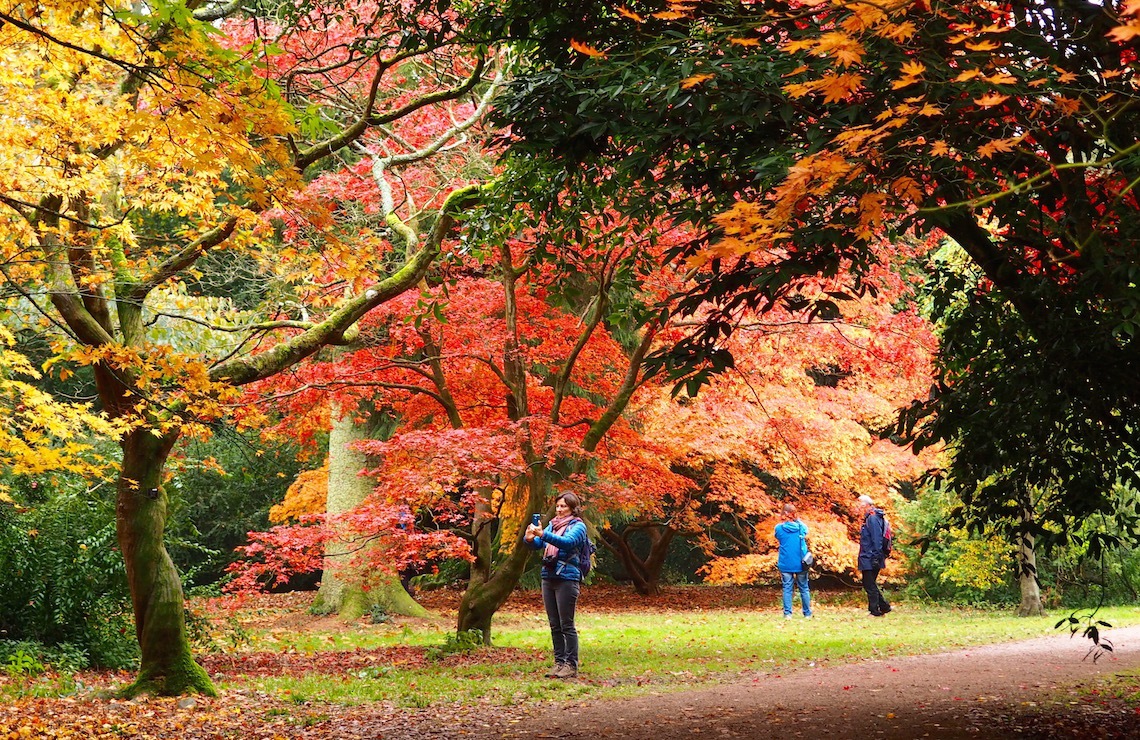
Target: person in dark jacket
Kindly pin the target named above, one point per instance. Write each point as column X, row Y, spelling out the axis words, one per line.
column 563, row 543
column 791, row 536
column 871, row 559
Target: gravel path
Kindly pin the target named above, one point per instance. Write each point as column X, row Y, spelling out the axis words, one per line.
column 980, row 692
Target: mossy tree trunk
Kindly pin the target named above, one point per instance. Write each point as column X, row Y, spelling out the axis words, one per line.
column 498, row 566
column 347, row 489
column 167, row 666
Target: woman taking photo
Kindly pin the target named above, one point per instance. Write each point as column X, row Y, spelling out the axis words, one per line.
column 562, row 543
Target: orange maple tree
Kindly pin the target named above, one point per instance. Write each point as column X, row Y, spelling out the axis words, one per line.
column 801, row 418
column 504, row 386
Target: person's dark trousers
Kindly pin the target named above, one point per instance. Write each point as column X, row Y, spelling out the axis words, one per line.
column 561, row 599
column 876, row 604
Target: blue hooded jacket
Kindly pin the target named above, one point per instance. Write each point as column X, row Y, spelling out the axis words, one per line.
column 569, row 544
column 792, row 537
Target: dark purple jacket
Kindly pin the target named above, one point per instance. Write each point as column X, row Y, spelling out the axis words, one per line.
column 871, row 541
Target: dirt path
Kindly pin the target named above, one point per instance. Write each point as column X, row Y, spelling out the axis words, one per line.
column 981, row 692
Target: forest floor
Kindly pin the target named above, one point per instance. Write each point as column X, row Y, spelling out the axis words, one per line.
column 1046, row 688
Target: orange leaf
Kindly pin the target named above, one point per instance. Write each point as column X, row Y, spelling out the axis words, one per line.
column 837, row 87
column 991, row 99
column 743, row 41
column 695, row 80
column 669, row 15
column 586, row 49
column 913, row 69
column 1001, row 78
column 630, row 14
column 989, row 149
column 986, row 45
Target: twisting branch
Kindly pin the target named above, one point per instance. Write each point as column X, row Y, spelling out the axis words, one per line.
column 24, row 26
column 380, row 164
column 179, row 262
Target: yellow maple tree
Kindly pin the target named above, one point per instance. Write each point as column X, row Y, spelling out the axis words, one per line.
column 143, row 150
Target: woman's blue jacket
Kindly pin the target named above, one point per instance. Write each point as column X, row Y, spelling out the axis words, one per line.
column 569, row 544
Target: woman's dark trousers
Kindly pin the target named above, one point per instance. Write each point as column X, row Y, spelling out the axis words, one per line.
column 561, row 600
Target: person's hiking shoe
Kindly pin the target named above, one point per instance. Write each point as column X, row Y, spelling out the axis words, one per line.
column 876, row 614
column 565, row 671
column 553, row 672
column 887, row 610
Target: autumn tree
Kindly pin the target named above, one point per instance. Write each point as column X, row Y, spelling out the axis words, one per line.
column 509, row 384
column 1011, row 128
column 151, row 141
column 404, row 172
column 801, row 418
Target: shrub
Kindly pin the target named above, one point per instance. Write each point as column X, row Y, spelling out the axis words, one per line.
column 66, row 601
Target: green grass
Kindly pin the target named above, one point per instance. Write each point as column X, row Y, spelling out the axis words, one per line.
column 630, row 653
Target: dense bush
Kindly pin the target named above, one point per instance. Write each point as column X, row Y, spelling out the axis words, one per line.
column 65, row 596
column 951, row 564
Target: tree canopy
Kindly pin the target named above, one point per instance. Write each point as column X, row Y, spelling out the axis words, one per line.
column 1008, row 127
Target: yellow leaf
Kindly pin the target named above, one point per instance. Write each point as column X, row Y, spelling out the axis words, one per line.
column 968, row 74
column 743, row 41
column 986, row 45
column 939, row 149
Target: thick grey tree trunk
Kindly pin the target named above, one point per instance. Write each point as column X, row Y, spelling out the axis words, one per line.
column 347, row 489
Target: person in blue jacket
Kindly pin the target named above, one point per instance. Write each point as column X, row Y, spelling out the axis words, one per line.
column 791, row 536
column 871, row 558
column 562, row 543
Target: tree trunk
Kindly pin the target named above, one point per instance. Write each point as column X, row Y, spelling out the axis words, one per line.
column 1027, row 566
column 167, row 667
column 489, row 587
column 644, row 574
column 346, row 490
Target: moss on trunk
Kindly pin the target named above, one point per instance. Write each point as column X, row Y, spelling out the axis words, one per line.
column 346, row 490
column 167, row 666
